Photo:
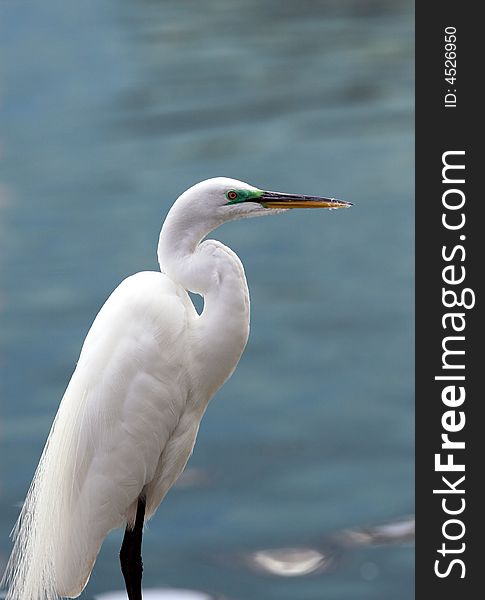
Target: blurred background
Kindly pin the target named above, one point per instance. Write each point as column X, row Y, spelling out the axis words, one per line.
column 110, row 109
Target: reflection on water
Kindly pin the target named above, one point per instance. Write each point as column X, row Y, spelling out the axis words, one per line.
column 297, row 562
column 111, row 108
column 290, row 562
column 389, row 533
column 161, row 594
column 329, row 551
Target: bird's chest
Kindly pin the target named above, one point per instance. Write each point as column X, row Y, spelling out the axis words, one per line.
column 173, row 458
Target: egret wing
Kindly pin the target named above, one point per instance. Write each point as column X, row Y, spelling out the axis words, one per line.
column 120, row 408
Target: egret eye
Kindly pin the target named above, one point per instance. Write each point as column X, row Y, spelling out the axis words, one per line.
column 231, row 195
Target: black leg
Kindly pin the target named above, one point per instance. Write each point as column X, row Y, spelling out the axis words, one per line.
column 130, row 554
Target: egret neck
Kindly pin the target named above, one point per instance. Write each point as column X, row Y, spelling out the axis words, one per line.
column 214, row 271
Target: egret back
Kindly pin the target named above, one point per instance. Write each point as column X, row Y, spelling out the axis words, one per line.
column 125, row 399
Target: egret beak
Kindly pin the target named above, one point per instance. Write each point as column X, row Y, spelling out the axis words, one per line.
column 280, row 200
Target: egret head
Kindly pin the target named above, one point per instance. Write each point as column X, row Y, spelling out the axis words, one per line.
column 210, row 203
column 226, row 199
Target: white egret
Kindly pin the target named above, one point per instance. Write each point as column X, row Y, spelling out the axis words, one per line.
column 128, row 420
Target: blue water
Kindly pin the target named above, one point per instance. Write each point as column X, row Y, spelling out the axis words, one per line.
column 109, row 110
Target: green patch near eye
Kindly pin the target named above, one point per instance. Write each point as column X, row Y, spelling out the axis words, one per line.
column 237, row 196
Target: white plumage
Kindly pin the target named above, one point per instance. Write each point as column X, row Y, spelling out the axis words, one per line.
column 129, row 417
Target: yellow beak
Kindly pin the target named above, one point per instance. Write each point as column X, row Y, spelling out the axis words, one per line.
column 281, row 200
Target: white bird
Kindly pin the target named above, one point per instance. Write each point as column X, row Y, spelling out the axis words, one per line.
column 128, row 420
